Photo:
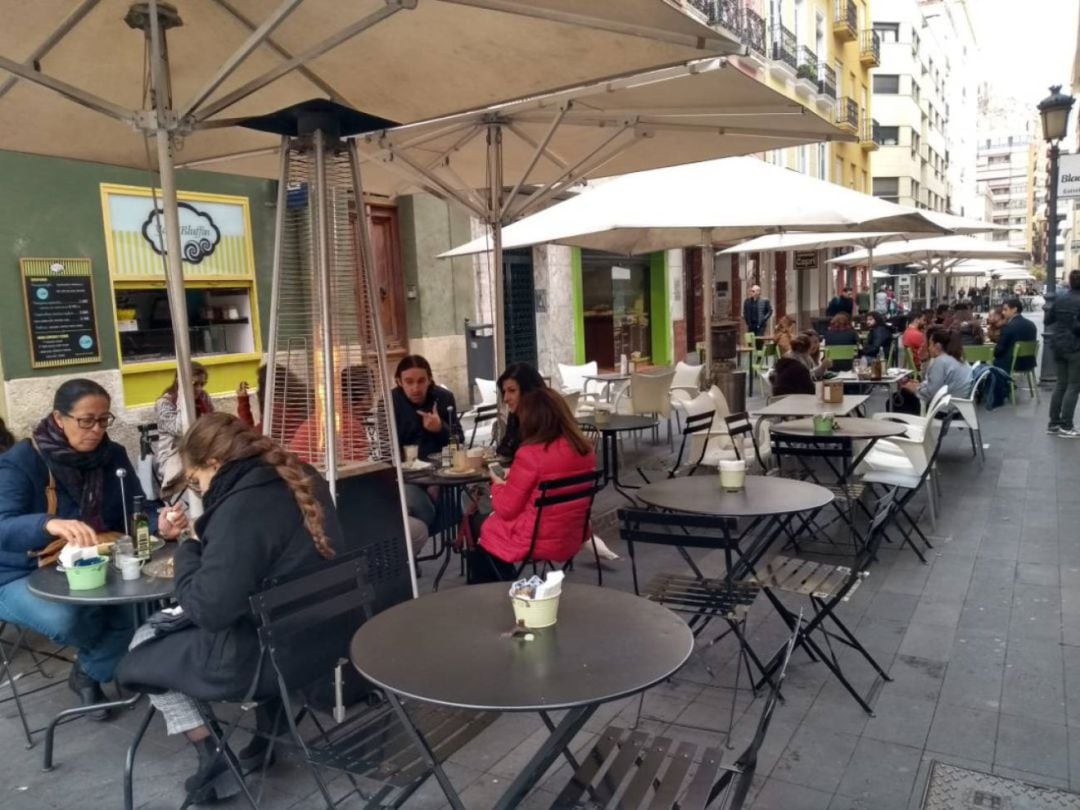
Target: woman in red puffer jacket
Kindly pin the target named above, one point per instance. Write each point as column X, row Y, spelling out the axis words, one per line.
column 552, row 447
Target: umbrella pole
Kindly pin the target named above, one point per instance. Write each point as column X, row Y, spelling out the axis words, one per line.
column 174, row 268
column 495, row 175
column 367, row 262
column 707, row 261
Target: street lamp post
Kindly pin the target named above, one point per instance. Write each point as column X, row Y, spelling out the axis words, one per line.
column 1054, row 112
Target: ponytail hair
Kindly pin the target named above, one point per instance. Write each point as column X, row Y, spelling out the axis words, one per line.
column 223, row 438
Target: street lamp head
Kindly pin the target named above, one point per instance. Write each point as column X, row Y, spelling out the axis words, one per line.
column 1054, row 111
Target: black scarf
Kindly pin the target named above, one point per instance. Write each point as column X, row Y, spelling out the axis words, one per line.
column 226, row 478
column 81, row 474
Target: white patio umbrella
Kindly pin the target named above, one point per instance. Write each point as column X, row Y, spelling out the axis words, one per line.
column 227, row 60
column 936, row 254
column 539, row 147
column 701, row 204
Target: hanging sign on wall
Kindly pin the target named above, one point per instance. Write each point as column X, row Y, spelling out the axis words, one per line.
column 60, row 312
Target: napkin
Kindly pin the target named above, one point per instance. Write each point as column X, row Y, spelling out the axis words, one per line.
column 70, row 554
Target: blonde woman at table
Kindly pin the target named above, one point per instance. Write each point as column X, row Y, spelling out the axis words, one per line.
column 266, row 516
column 552, row 447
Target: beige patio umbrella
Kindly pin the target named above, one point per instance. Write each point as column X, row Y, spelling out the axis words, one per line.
column 934, row 255
column 509, row 160
column 76, row 82
column 701, row 204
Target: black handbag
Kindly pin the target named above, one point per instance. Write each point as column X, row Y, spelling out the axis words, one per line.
column 165, row 623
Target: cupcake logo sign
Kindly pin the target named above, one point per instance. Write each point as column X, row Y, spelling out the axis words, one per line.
column 199, row 235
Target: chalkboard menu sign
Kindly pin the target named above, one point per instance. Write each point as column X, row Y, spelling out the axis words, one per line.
column 60, row 312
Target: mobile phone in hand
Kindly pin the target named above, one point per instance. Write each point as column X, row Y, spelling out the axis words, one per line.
column 498, row 469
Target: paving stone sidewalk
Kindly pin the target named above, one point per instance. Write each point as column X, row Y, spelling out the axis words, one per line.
column 983, row 644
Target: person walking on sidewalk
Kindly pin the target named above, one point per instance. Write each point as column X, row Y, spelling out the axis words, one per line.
column 756, row 311
column 1064, row 315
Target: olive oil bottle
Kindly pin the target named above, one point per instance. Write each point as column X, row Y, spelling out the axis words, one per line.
column 140, row 528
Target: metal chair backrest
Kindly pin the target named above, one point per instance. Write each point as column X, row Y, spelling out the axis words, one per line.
column 874, row 534
column 981, row 353
column 1024, row 348
column 695, row 423
column 678, row 530
column 582, row 487
column 738, row 428
column 834, row 450
column 909, row 362
column 148, row 436
column 841, row 352
column 482, row 414
column 305, row 622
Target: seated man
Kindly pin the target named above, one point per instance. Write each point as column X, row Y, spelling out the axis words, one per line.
column 914, row 337
column 1015, row 329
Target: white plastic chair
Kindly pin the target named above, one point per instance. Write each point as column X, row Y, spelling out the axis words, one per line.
column 900, row 460
column 686, row 378
column 648, row 395
column 489, row 393
column 968, row 413
column 572, row 379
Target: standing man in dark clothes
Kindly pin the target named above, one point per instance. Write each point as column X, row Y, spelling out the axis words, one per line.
column 756, row 311
column 1065, row 317
column 1015, row 329
column 841, row 303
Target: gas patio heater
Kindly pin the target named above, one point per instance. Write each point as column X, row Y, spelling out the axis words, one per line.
column 327, row 381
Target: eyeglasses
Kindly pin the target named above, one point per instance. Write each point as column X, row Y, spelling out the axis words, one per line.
column 88, row 422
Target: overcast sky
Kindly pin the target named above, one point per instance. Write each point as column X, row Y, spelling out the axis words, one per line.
column 1026, row 45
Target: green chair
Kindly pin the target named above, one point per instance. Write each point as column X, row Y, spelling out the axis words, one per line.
column 983, row 353
column 835, row 353
column 1024, row 348
column 909, row 363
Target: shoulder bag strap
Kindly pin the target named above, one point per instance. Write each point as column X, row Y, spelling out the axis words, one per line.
column 50, row 488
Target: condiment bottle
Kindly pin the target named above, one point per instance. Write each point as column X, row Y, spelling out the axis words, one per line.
column 140, row 527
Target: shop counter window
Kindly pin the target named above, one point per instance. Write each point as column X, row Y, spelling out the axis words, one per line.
column 219, row 323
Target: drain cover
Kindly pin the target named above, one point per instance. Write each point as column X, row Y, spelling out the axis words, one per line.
column 952, row 788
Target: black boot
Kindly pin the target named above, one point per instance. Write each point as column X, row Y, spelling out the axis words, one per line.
column 253, row 755
column 213, row 780
column 88, row 690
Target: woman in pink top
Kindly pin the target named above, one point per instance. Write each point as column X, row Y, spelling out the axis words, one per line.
column 552, row 447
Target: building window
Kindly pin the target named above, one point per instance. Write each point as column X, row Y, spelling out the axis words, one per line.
column 886, row 186
column 889, row 136
column 887, row 84
column 888, row 32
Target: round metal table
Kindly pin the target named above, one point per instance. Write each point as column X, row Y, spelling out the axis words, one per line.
column 454, row 648
column 763, row 496
column 609, row 431
column 50, row 583
column 449, row 509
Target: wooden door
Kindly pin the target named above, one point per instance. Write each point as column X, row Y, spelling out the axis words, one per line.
column 389, row 282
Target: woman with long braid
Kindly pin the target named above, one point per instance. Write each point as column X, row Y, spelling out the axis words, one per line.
column 266, row 516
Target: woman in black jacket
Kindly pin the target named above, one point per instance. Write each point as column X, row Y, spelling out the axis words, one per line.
column 517, row 380
column 266, row 516
column 878, row 338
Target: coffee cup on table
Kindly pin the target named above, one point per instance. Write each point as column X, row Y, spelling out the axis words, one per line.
column 460, row 460
column 412, row 453
column 130, row 567
column 732, row 474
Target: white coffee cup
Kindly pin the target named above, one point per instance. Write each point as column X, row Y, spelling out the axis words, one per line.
column 732, row 475
column 130, row 567
column 412, row 452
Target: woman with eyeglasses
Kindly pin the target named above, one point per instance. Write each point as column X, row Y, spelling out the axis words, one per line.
column 267, row 517
column 62, row 483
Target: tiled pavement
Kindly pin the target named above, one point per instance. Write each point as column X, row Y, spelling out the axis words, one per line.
column 983, row 645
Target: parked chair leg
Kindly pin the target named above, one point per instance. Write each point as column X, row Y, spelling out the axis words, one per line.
column 129, row 760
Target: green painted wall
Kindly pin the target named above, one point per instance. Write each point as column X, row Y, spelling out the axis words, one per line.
column 52, row 207
column 660, row 315
column 579, row 312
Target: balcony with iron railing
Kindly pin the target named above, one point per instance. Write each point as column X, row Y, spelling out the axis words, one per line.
column 869, row 134
column 784, row 46
column 870, row 48
column 845, row 20
column 808, row 66
column 754, row 31
column 827, row 81
column 847, row 115
column 723, row 13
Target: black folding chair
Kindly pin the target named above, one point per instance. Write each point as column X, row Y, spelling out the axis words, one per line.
column 10, row 651
column 627, row 770
column 827, row 586
column 700, row 423
column 905, row 486
column 304, row 627
column 480, row 415
column 740, row 428
column 583, row 487
column 703, row 598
